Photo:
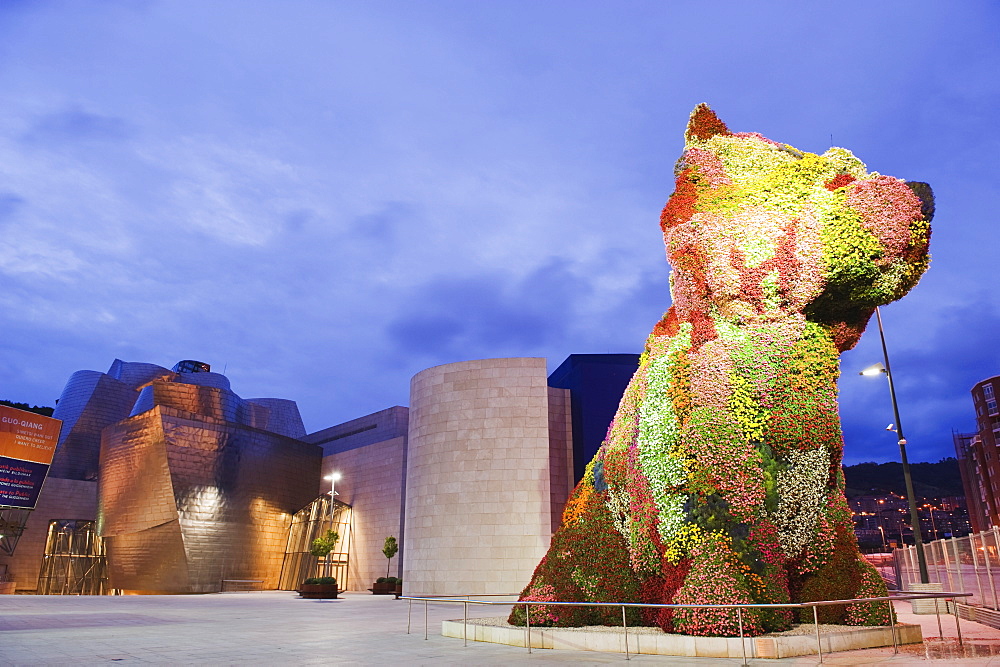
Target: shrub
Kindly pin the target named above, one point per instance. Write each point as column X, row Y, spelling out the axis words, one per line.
column 332, row 581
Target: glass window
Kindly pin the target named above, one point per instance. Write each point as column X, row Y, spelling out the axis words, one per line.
column 988, row 390
column 991, row 406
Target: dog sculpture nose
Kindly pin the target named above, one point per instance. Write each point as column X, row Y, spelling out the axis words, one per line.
column 926, row 195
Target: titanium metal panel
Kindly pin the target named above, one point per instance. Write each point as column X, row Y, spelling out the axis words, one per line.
column 187, row 500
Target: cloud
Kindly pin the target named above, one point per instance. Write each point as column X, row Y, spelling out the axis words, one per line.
column 492, row 314
column 9, row 203
column 73, row 125
column 327, row 197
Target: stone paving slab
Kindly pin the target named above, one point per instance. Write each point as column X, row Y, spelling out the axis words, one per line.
column 278, row 628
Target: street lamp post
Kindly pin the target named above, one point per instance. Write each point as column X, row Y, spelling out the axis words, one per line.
column 332, row 478
column 918, row 542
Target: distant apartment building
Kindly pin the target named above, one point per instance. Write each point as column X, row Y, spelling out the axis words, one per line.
column 978, row 457
column 882, row 520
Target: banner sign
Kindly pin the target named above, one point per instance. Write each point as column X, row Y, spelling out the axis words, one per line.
column 27, row 444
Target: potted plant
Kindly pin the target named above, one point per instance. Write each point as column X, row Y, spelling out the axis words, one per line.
column 384, row 586
column 319, row 588
column 322, row 588
column 387, row 585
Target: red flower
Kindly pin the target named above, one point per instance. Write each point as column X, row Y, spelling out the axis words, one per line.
column 680, row 206
column 704, row 124
column 839, row 181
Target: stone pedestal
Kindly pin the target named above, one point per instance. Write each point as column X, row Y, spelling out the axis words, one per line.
column 933, row 605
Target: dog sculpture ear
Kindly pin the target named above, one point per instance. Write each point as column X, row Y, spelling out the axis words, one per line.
column 704, row 124
column 926, row 195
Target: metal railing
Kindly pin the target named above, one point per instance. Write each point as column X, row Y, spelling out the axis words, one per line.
column 466, row 600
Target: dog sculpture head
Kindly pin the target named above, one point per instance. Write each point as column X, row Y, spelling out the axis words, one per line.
column 758, row 230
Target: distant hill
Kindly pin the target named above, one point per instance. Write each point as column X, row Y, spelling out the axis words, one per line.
column 930, row 480
column 37, row 409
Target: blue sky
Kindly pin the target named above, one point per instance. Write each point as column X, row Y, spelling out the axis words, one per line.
column 323, row 199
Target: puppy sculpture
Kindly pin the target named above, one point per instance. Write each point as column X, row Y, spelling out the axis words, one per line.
column 720, row 479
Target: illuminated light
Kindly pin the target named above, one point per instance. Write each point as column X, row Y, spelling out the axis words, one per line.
column 333, row 478
column 874, row 369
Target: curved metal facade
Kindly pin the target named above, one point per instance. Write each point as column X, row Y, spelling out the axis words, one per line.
column 190, row 497
column 196, row 484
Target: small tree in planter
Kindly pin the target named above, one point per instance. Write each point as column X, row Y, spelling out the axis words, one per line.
column 389, row 549
column 387, row 585
column 322, row 546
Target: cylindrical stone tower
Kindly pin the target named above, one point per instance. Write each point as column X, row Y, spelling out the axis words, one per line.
column 478, row 514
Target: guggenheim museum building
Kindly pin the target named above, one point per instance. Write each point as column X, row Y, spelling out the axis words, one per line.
column 167, row 481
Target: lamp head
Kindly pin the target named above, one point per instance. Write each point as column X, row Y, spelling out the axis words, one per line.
column 874, row 369
column 333, row 477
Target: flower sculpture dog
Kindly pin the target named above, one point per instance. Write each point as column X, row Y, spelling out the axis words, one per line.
column 720, row 478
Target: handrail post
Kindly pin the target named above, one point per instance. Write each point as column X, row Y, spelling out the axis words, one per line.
column 958, row 626
column 425, row 620
column 527, row 624
column 937, row 612
column 819, row 644
column 625, row 628
column 743, row 643
column 892, row 626
column 465, row 623
column 409, row 608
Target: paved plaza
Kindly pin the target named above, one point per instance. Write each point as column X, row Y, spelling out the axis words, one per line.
column 278, row 628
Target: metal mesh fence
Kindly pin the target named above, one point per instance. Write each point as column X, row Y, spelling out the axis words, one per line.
column 970, row 564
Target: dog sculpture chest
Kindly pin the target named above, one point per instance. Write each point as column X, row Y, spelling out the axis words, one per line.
column 720, row 478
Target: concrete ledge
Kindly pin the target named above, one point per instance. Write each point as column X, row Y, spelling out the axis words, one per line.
column 660, row 643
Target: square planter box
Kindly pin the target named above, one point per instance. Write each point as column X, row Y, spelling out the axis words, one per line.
column 384, row 589
column 318, row 591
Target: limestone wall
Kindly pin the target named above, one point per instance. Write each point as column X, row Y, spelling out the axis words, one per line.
column 372, row 484
column 479, row 503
